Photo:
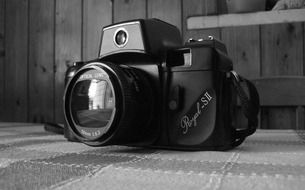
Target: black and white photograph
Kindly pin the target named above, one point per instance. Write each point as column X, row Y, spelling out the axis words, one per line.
column 152, row 94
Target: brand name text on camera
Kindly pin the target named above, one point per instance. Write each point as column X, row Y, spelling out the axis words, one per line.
column 190, row 120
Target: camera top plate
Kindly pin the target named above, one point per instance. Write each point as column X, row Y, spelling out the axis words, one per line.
column 140, row 36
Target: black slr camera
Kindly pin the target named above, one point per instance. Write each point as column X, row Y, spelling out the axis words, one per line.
column 148, row 89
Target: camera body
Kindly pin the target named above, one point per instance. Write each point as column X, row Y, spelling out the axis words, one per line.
column 148, row 89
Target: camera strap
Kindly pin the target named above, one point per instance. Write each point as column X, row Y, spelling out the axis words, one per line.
column 249, row 105
column 54, row 128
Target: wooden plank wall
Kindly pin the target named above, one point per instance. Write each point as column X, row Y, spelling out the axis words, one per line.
column 41, row 60
column 39, row 39
column 282, row 54
column 16, row 61
column 169, row 11
column 96, row 14
column 129, row 9
column 199, row 7
column 2, row 54
column 68, row 46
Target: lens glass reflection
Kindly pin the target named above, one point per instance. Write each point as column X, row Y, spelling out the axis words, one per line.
column 93, row 102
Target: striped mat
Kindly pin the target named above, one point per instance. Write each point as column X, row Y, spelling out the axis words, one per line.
column 31, row 158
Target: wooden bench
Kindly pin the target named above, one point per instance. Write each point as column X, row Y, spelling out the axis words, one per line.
column 283, row 91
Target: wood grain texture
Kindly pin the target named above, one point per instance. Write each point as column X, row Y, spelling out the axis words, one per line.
column 128, row 9
column 166, row 10
column 300, row 113
column 195, row 8
column 16, row 60
column 243, row 45
column 41, row 60
column 282, row 54
column 2, row 54
column 281, row 90
column 96, row 15
column 278, row 118
column 222, row 7
column 246, row 19
column 68, row 39
column 282, row 49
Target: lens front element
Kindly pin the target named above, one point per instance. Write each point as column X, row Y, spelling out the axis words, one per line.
column 93, row 103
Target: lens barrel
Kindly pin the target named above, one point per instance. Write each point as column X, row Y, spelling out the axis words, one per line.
column 105, row 103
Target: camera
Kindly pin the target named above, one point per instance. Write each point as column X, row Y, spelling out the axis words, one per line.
column 146, row 88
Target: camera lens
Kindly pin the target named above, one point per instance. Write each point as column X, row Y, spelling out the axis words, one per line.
column 109, row 104
column 121, row 37
column 93, row 103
